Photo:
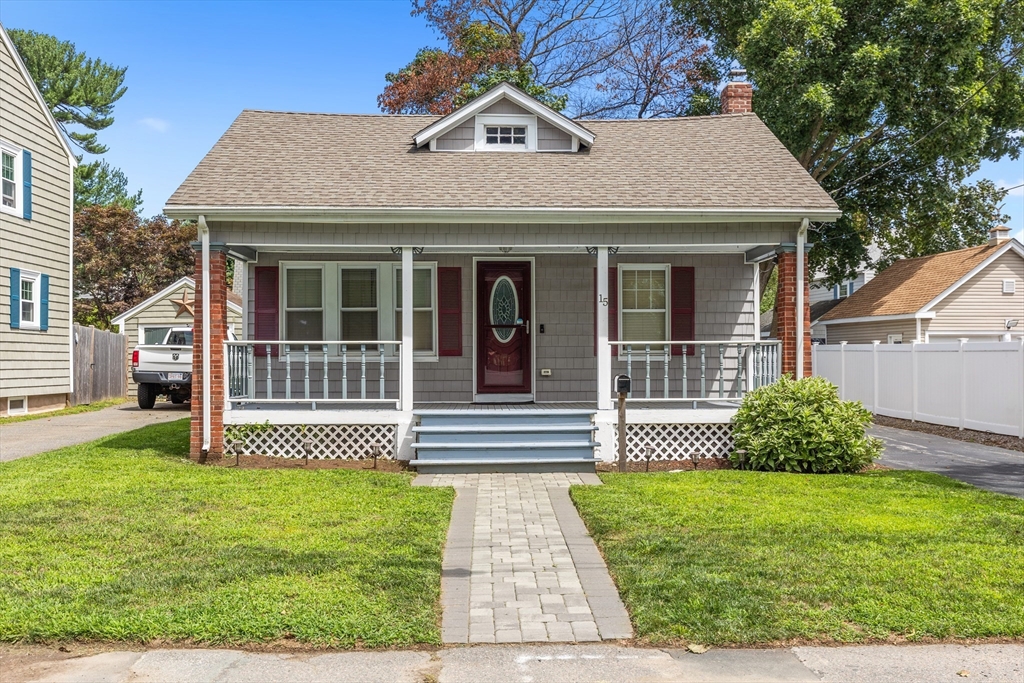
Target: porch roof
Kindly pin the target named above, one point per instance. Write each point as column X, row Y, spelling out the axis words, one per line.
column 366, row 163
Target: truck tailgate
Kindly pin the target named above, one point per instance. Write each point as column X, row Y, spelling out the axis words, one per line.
column 161, row 358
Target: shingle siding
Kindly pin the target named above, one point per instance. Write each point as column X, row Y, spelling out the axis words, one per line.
column 979, row 304
column 459, row 139
column 35, row 362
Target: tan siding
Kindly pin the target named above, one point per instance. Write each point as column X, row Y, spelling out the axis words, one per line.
column 550, row 138
column 979, row 304
column 459, row 139
column 867, row 332
column 35, row 362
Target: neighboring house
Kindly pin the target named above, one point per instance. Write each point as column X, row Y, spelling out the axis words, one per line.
column 174, row 306
column 36, row 215
column 821, row 292
column 975, row 293
column 463, row 289
column 818, row 310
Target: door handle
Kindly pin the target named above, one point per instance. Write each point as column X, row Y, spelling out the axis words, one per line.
column 526, row 324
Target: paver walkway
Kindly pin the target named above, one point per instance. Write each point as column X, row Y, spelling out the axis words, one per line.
column 987, row 467
column 519, row 565
column 21, row 439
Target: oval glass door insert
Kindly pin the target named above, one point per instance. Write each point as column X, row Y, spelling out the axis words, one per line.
column 504, row 308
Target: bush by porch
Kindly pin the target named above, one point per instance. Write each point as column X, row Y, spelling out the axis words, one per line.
column 732, row 557
column 123, row 539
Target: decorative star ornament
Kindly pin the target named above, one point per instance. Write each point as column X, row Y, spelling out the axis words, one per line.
column 185, row 307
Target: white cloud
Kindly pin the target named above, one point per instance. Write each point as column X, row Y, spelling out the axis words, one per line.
column 159, row 125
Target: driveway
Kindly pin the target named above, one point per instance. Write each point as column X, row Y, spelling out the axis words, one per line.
column 22, row 439
column 987, row 467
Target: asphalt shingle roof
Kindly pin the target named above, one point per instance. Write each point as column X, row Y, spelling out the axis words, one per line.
column 279, row 159
column 908, row 285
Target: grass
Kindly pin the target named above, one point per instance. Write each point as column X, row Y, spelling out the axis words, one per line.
column 123, row 539
column 74, row 410
column 728, row 557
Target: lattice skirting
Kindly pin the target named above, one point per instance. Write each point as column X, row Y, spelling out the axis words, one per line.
column 677, row 441
column 347, row 442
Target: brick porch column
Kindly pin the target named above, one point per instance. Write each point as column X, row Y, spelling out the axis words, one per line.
column 218, row 335
column 786, row 302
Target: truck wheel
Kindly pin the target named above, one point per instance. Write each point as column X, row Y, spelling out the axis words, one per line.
column 147, row 396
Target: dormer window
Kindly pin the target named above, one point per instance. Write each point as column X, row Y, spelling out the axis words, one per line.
column 505, row 135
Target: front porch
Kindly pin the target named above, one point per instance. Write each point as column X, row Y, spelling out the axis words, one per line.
column 489, row 358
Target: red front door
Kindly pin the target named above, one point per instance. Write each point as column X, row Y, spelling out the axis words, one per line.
column 503, row 327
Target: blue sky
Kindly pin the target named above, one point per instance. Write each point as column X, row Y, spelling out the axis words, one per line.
column 193, row 66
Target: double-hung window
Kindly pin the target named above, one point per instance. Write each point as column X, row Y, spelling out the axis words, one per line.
column 643, row 312
column 359, row 308
column 424, row 307
column 10, row 179
column 29, row 300
column 304, row 303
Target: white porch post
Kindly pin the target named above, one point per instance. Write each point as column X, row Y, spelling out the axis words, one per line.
column 604, row 352
column 406, row 353
column 801, row 237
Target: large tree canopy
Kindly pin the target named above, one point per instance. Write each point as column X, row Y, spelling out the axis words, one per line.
column 612, row 58
column 79, row 91
column 889, row 104
column 122, row 260
column 97, row 182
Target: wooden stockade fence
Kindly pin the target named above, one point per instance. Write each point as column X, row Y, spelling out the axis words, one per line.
column 100, row 365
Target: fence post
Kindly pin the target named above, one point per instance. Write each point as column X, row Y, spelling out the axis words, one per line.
column 842, row 370
column 963, row 383
column 874, row 372
column 1020, row 377
column 913, row 381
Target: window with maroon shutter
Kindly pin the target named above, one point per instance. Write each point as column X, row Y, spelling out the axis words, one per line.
column 266, row 308
column 683, row 328
column 613, row 308
column 449, row 311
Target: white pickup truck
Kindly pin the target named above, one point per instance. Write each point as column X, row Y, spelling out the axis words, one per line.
column 164, row 369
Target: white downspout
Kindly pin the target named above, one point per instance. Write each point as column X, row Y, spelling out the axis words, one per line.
column 204, row 236
column 801, row 238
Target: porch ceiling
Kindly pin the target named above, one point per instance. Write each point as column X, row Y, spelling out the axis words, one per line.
column 511, row 250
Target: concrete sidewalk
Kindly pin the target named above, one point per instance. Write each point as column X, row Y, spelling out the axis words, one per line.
column 524, row 664
column 32, row 437
column 987, row 467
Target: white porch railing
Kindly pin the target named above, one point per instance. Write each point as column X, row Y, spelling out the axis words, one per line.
column 723, row 370
column 313, row 372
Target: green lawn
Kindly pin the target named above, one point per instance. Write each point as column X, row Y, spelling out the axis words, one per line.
column 124, row 539
column 740, row 557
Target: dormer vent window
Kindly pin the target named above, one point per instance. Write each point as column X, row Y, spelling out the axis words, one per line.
column 506, row 135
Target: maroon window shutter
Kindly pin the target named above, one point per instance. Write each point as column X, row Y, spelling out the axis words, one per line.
column 267, row 314
column 683, row 328
column 449, row 311
column 613, row 307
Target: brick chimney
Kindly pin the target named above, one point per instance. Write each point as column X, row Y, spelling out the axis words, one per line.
column 998, row 235
column 737, row 95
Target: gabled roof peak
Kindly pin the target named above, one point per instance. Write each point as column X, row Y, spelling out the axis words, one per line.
column 504, row 90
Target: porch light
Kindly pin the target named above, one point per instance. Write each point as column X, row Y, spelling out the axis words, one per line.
column 504, row 250
column 1011, row 323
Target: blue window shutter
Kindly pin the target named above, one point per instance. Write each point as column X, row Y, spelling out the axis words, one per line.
column 26, row 176
column 44, row 302
column 15, row 298
column 835, row 291
column 850, row 290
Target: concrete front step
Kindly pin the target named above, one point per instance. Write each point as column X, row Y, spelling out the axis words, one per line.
column 485, row 465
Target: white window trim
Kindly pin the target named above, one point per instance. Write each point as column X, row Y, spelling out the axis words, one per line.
column 432, row 267
column 19, row 185
column 331, row 283
column 667, row 267
column 484, row 120
column 33, row 277
column 283, row 308
column 24, row 405
column 895, row 338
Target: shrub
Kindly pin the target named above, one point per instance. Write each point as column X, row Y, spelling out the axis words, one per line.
column 802, row 426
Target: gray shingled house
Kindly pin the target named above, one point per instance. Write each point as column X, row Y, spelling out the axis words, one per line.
column 461, row 291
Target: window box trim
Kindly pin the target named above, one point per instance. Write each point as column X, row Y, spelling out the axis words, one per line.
column 667, row 267
column 484, row 120
column 33, row 277
column 18, row 209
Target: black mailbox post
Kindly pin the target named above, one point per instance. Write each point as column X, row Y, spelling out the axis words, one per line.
column 623, row 386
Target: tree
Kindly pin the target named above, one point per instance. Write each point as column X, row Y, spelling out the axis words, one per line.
column 889, row 104
column 79, row 91
column 122, row 259
column 606, row 58
column 99, row 183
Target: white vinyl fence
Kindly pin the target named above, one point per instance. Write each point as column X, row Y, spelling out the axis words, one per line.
column 970, row 385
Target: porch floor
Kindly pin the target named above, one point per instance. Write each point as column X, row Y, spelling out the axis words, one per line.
column 576, row 405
